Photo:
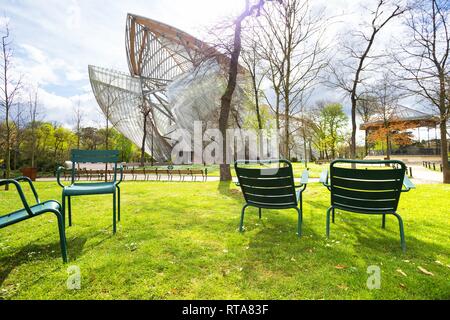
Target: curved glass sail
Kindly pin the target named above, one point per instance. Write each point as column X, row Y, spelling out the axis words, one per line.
column 175, row 80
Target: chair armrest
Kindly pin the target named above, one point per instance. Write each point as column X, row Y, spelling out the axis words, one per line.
column 121, row 175
column 324, row 178
column 58, row 176
column 20, row 191
column 407, row 184
column 304, row 179
column 31, row 186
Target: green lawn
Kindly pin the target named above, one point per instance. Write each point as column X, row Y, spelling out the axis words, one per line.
column 180, row 241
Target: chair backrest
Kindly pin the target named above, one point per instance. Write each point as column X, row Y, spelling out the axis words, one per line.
column 267, row 183
column 94, row 156
column 369, row 190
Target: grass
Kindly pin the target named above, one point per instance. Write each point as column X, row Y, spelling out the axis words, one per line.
column 180, row 241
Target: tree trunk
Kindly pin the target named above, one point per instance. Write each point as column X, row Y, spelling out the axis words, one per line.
column 225, row 107
column 305, row 150
column 33, row 145
column 8, row 147
column 144, row 137
column 366, row 143
column 353, row 139
column 444, row 149
column 388, row 147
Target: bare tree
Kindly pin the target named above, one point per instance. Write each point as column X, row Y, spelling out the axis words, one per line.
column 424, row 60
column 33, row 109
column 145, row 110
column 386, row 98
column 9, row 90
column 225, row 108
column 366, row 108
column 292, row 43
column 78, row 119
column 18, row 121
column 257, row 72
column 349, row 75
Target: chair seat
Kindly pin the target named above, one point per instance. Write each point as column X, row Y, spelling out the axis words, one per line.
column 23, row 214
column 78, row 189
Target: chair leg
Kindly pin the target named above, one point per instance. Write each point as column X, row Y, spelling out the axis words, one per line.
column 259, row 213
column 383, row 221
column 118, row 203
column 332, row 217
column 402, row 232
column 328, row 221
column 242, row 218
column 299, row 223
column 69, row 204
column 62, row 236
column 114, row 212
column 63, row 208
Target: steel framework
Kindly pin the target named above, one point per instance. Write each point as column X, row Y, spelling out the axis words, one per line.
column 169, row 71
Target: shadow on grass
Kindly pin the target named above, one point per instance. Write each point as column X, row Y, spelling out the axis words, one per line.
column 275, row 251
column 46, row 251
column 226, row 190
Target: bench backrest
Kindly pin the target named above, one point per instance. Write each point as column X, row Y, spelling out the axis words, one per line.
column 94, row 156
column 368, row 190
column 267, row 184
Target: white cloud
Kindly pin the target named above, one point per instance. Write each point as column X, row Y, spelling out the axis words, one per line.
column 73, row 15
column 4, row 21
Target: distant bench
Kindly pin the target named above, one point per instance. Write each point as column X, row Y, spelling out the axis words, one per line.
column 134, row 173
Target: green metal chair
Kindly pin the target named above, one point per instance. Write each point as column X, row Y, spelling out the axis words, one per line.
column 36, row 210
column 367, row 191
column 266, row 187
column 81, row 189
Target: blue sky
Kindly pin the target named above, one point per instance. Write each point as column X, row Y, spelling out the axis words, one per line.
column 55, row 41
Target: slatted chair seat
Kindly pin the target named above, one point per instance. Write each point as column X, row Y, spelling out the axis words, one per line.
column 79, row 189
column 38, row 209
column 32, row 211
column 270, row 188
column 367, row 191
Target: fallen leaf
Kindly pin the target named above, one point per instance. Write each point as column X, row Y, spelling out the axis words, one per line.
column 402, row 286
column 425, row 271
column 340, row 266
column 401, row 272
column 293, row 259
column 439, row 263
column 225, row 251
column 343, row 287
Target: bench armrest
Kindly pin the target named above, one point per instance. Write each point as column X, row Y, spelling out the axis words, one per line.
column 407, row 184
column 58, row 176
column 20, row 191
column 324, row 178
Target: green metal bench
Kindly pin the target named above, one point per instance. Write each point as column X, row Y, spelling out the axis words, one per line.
column 81, row 189
column 270, row 188
column 367, row 191
column 36, row 210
